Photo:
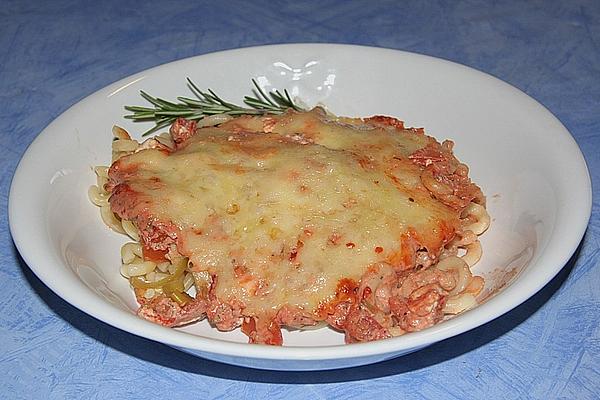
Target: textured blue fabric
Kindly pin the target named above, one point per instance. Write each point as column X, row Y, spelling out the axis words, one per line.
column 54, row 53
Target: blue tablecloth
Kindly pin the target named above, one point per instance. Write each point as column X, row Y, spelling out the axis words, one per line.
column 54, row 53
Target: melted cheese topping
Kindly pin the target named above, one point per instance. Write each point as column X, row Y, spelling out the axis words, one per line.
column 280, row 209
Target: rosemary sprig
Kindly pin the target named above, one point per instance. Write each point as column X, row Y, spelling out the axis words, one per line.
column 164, row 112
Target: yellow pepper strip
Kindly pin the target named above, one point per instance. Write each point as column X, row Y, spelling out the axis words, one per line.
column 180, row 297
column 174, row 286
column 140, row 283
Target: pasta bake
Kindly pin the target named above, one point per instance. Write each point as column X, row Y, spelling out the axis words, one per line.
column 297, row 221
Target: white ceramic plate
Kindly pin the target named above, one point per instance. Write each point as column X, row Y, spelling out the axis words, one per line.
column 532, row 171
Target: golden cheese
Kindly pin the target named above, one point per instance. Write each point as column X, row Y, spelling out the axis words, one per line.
column 281, row 208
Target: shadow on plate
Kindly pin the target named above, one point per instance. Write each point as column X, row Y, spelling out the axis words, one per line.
column 169, row 357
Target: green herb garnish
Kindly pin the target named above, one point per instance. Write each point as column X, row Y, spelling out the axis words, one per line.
column 165, row 112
